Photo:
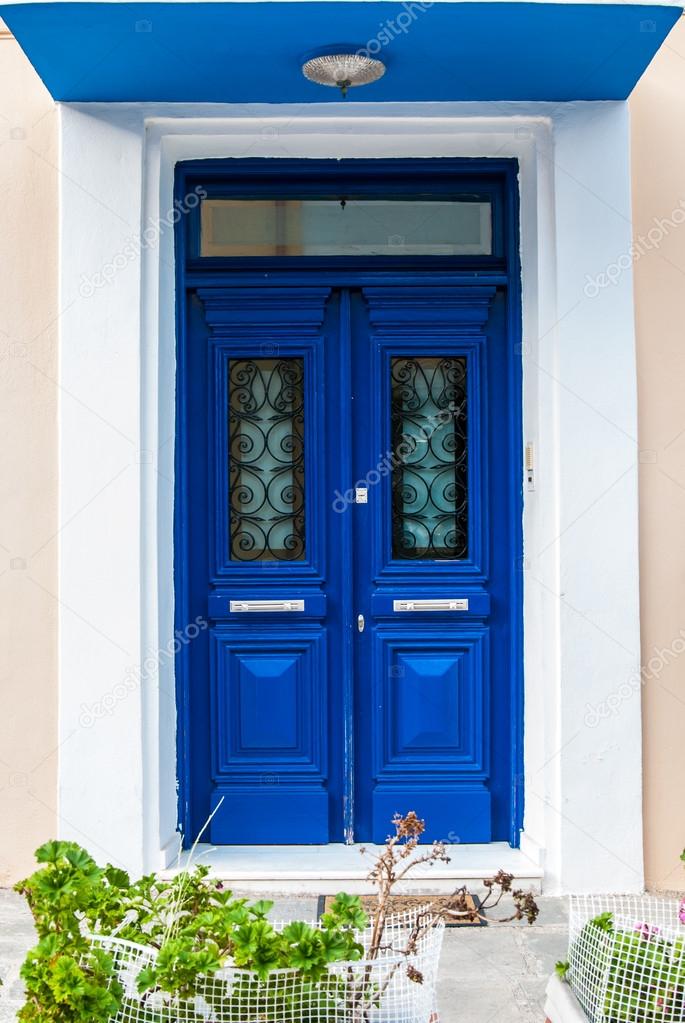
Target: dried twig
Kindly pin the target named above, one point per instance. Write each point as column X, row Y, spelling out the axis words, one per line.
column 396, row 862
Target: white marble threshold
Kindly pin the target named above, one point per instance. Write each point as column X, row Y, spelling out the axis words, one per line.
column 308, row 869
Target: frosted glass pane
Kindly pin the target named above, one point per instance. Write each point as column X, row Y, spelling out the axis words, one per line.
column 360, row 227
column 266, row 459
column 429, row 480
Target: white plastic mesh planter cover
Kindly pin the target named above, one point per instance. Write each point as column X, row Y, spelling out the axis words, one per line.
column 629, row 968
column 378, row 991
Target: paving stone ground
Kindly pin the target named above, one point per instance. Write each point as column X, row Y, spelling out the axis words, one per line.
column 494, row 974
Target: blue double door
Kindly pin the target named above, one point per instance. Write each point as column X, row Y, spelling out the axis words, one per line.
column 350, row 536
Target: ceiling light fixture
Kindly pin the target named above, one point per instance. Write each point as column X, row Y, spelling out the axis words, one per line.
column 343, row 69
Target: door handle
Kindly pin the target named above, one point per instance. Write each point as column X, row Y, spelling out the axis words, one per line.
column 266, row 605
column 421, row 604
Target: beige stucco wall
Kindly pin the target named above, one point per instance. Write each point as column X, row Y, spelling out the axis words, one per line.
column 658, row 120
column 28, row 462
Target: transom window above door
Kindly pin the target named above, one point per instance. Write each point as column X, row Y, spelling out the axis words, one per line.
column 379, row 213
column 457, row 226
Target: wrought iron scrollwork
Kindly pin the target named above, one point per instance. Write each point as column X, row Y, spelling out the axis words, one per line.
column 430, row 466
column 266, row 459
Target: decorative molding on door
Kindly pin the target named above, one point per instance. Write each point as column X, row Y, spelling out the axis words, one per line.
column 228, row 308
column 464, row 309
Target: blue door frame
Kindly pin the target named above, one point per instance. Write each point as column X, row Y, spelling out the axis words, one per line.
column 351, row 302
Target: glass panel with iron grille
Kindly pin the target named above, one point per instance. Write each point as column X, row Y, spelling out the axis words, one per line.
column 266, row 459
column 351, row 227
column 430, row 474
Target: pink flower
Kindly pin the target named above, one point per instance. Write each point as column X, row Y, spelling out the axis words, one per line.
column 646, row 931
column 681, row 911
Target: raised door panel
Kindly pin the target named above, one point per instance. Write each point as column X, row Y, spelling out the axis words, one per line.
column 431, row 734
column 269, row 735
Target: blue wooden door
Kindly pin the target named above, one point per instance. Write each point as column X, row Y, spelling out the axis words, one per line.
column 433, row 557
column 351, row 544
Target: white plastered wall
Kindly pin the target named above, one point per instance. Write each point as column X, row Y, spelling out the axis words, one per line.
column 581, row 622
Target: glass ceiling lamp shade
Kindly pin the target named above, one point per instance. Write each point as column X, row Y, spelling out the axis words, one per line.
column 343, row 70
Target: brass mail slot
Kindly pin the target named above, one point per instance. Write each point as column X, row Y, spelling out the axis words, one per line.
column 448, row 604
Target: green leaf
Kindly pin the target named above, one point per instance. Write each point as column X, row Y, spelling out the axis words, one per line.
column 262, row 908
column 297, row 931
column 346, row 911
column 605, row 921
column 52, row 884
column 147, row 979
column 238, row 915
column 49, row 945
column 117, row 878
column 343, row 902
column 334, row 945
column 51, row 852
column 79, row 859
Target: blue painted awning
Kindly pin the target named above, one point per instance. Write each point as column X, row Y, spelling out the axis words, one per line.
column 236, row 52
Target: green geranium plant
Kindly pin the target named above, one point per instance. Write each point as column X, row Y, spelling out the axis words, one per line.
column 193, row 927
column 631, row 975
column 192, row 921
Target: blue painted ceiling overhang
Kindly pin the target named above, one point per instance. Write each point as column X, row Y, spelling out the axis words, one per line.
column 232, row 52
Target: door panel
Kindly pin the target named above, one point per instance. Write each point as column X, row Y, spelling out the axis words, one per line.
column 274, row 635
column 270, row 720
column 430, row 735
column 350, row 541
column 423, row 572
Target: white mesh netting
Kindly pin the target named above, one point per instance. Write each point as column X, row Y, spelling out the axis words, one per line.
column 377, row 991
column 629, row 968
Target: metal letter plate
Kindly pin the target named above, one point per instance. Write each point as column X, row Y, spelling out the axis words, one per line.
column 448, row 604
column 266, row 605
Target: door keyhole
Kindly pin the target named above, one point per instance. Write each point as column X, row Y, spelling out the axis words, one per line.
column 360, row 623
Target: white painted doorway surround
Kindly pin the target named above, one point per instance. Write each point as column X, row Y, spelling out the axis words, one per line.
column 117, row 775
